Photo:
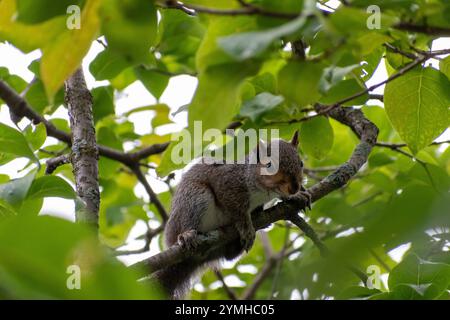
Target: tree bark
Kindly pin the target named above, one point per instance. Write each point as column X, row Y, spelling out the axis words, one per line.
column 84, row 156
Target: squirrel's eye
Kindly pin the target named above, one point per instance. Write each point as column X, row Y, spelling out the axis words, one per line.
column 268, row 165
column 301, row 164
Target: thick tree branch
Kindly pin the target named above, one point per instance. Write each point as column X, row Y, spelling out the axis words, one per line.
column 210, row 243
column 84, row 156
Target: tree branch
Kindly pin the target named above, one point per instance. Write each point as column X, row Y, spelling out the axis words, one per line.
column 54, row 163
column 84, row 156
column 246, row 10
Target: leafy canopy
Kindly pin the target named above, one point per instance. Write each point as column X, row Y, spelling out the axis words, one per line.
column 266, row 66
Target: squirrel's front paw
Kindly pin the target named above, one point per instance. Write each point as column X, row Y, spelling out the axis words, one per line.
column 304, row 196
column 188, row 240
column 247, row 236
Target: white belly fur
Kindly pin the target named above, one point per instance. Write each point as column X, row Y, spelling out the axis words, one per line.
column 213, row 218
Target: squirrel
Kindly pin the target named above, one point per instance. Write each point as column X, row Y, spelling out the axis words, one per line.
column 210, row 196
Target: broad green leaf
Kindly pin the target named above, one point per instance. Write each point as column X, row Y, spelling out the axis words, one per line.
column 32, row 11
column 354, row 21
column 179, row 37
column 417, row 104
column 252, row 44
column 103, row 98
column 14, row 81
column 316, row 137
column 130, row 28
column 299, row 81
column 50, row 186
column 107, row 65
column 36, row 136
column 210, row 53
column 379, row 159
column 216, row 100
column 259, row 105
column 333, row 75
column 19, row 34
column 13, row 142
column 343, row 90
column 64, row 54
column 415, row 278
column 154, row 81
column 15, row 191
column 36, row 96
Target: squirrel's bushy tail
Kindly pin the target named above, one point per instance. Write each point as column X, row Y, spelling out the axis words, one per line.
column 176, row 279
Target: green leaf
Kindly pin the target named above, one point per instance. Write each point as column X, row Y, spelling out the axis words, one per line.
column 15, row 191
column 130, row 28
column 252, row 44
column 19, row 34
column 179, row 36
column 32, row 11
column 155, row 82
column 299, row 82
column 103, row 98
column 58, row 62
column 50, row 186
column 13, row 142
column 333, row 75
column 14, row 81
column 417, row 104
column 316, row 137
column 216, row 100
column 379, row 159
column 415, row 278
column 343, row 90
column 107, row 65
column 37, row 136
column 259, row 105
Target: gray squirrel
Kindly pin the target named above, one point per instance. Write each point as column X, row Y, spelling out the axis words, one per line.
column 210, row 196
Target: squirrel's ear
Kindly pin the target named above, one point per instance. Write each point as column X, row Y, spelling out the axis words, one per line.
column 294, row 140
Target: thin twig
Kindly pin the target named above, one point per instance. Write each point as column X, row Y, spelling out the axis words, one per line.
column 152, row 195
column 230, row 293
